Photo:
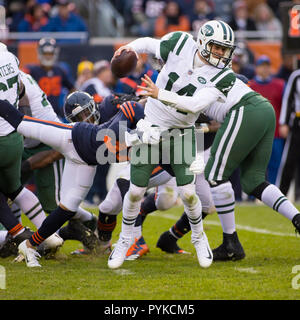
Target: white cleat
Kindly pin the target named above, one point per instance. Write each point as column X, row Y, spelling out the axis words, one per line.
column 30, row 255
column 204, row 253
column 53, row 242
column 118, row 254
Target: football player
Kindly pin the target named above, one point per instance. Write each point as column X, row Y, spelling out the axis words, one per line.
column 11, row 145
column 83, row 145
column 50, row 77
column 248, row 121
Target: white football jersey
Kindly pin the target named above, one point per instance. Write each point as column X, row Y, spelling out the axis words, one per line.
column 177, row 50
column 9, row 85
column 40, row 107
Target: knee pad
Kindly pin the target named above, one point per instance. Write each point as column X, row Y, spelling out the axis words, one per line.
column 136, row 193
column 188, row 194
column 112, row 203
column 222, row 191
column 166, row 197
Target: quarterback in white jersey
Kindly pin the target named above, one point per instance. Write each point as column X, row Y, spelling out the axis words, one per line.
column 244, row 139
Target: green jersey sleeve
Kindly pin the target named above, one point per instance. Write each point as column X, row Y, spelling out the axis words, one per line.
column 170, row 41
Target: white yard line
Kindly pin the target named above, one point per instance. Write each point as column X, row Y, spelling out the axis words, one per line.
column 238, row 226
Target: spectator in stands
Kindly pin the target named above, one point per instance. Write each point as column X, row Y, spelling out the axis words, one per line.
column 84, row 73
column 145, row 13
column 265, row 19
column 271, row 88
column 65, row 20
column 171, row 19
column 288, row 65
column 202, row 12
column 100, row 85
column 34, row 20
column 241, row 62
column 223, row 9
column 15, row 14
column 240, row 20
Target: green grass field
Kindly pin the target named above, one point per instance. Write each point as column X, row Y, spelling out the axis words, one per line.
column 271, row 246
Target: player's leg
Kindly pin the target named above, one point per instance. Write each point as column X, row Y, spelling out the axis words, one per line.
column 168, row 239
column 11, row 149
column 182, row 148
column 139, row 177
column 289, row 161
column 163, row 199
column 76, row 181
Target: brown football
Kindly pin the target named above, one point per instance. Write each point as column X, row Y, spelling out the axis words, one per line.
column 123, row 64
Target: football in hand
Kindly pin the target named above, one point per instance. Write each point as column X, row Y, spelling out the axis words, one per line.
column 124, row 64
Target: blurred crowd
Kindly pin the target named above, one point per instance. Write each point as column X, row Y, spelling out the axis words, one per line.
column 146, row 17
column 43, row 16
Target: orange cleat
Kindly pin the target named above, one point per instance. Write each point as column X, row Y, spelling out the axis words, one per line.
column 137, row 250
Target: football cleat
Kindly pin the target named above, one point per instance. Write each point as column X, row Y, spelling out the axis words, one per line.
column 137, row 249
column 101, row 248
column 91, row 224
column 168, row 243
column 30, row 255
column 204, row 253
column 296, row 222
column 118, row 254
column 76, row 230
column 230, row 249
column 10, row 247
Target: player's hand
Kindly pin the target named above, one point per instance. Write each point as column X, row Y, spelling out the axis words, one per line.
column 126, row 48
column 284, row 131
column 151, row 90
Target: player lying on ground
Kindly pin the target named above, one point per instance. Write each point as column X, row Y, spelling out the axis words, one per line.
column 79, row 145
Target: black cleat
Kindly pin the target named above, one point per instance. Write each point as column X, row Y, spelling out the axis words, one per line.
column 230, row 249
column 168, row 243
column 10, row 247
column 91, row 224
column 296, row 222
column 76, row 230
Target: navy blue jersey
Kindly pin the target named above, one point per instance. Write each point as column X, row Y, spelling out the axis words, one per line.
column 88, row 139
column 107, row 109
column 51, row 82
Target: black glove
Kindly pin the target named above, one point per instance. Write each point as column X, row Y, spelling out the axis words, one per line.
column 120, row 98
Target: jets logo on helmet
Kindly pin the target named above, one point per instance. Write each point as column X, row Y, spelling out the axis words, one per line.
column 218, row 33
column 80, row 106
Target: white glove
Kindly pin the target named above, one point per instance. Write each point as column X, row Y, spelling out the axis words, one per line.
column 132, row 139
column 198, row 164
column 151, row 135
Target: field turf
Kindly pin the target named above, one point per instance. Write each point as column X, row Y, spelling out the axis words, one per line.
column 271, row 245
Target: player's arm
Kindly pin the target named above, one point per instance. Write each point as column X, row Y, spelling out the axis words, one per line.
column 194, row 104
column 41, row 160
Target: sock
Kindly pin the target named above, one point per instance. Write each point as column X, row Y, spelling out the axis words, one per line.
column 181, row 227
column 83, row 215
column 7, row 219
column 106, row 226
column 51, row 224
column 131, row 210
column 224, row 200
column 148, row 205
column 16, row 230
column 275, row 199
column 30, row 205
column 16, row 211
